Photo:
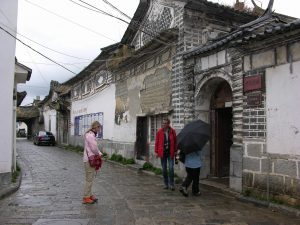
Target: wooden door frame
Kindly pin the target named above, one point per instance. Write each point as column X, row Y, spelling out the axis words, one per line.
column 141, row 141
column 221, row 96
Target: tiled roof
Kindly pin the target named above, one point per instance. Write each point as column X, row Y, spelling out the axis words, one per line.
column 20, row 97
column 262, row 27
column 269, row 30
column 200, row 4
column 93, row 65
column 168, row 35
column 134, row 23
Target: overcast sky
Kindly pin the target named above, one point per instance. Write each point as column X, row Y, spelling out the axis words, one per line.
column 72, row 35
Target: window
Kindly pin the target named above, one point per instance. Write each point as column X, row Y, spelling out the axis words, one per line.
column 155, row 124
column 100, row 78
column 76, row 91
column 87, row 87
column 83, row 123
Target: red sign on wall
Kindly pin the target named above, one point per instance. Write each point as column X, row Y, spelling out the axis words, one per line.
column 254, row 99
column 253, row 83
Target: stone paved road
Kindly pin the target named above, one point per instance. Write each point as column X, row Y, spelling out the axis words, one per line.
column 52, row 186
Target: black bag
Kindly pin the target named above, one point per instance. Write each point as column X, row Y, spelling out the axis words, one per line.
column 182, row 156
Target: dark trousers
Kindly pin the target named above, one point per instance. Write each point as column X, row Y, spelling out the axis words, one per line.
column 168, row 176
column 192, row 176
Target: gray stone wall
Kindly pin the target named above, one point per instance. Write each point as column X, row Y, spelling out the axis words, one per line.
column 126, row 149
column 277, row 173
column 254, row 117
column 5, row 178
column 122, row 148
column 236, row 168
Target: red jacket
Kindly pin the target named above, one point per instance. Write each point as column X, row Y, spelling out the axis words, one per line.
column 159, row 142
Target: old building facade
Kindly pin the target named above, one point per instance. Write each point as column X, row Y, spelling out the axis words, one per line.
column 245, row 83
column 150, row 81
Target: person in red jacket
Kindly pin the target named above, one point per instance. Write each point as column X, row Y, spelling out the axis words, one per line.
column 165, row 149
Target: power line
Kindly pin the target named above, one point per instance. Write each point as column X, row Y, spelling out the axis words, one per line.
column 36, row 50
column 135, row 23
column 95, row 32
column 36, row 66
column 103, row 12
column 103, row 60
column 26, row 85
column 44, row 45
column 114, row 7
column 84, row 6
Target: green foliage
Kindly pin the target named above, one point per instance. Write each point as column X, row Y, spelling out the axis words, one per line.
column 15, row 174
column 104, row 155
column 119, row 158
column 130, row 161
column 148, row 166
column 247, row 192
column 77, row 148
column 157, row 171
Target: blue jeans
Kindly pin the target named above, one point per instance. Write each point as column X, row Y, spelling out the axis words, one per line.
column 168, row 177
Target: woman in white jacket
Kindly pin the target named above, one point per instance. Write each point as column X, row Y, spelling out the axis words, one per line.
column 90, row 148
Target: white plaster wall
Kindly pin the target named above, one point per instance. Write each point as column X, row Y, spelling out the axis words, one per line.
column 7, row 66
column 103, row 101
column 127, row 131
column 50, row 115
column 283, row 109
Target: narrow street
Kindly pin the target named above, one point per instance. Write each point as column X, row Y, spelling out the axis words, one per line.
column 51, row 193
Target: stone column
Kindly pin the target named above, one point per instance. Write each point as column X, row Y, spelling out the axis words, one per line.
column 236, row 167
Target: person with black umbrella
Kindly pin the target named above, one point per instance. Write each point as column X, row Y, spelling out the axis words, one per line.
column 165, row 149
column 192, row 165
column 191, row 140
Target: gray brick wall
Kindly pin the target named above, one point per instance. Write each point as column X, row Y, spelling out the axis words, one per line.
column 259, row 168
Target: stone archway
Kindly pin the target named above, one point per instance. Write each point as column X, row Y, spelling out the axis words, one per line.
column 213, row 105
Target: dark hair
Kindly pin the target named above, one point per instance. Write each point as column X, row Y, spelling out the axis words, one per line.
column 167, row 120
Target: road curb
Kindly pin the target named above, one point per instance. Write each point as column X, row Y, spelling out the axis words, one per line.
column 260, row 203
column 9, row 189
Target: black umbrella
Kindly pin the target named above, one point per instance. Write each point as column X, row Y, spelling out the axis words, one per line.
column 193, row 136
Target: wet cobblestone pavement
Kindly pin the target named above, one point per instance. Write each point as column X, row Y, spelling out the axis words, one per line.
column 51, row 193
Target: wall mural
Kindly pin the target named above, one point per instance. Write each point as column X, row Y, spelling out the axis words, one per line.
column 122, row 112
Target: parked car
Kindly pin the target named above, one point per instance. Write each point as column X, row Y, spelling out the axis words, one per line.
column 43, row 138
column 21, row 133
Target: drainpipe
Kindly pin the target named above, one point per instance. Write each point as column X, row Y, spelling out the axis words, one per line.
column 14, row 163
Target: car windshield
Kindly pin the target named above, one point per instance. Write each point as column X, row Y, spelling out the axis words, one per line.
column 45, row 133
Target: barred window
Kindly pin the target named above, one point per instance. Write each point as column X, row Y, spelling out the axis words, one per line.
column 155, row 124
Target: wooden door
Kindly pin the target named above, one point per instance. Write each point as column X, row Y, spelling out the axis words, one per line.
column 141, row 138
column 221, row 122
column 223, row 141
